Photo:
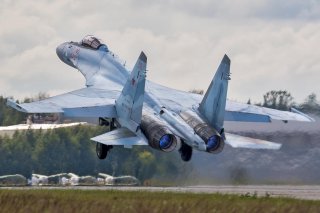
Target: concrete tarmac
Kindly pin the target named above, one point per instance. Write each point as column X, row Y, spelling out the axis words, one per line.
column 308, row 192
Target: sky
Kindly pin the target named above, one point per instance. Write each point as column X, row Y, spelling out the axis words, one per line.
column 272, row 44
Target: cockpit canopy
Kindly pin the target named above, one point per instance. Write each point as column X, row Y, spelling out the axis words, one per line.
column 93, row 42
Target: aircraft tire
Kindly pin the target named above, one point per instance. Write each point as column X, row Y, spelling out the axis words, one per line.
column 185, row 151
column 102, row 150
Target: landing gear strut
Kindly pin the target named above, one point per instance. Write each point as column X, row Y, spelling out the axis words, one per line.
column 108, row 122
column 185, row 151
column 103, row 122
column 102, row 150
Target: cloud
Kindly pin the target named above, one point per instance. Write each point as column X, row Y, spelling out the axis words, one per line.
column 243, row 9
column 272, row 44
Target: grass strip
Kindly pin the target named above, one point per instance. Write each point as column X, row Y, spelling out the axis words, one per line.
column 141, row 201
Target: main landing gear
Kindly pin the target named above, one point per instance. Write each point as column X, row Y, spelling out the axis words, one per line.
column 103, row 149
column 185, row 151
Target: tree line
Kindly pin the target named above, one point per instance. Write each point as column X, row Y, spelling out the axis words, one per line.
column 70, row 150
column 283, row 100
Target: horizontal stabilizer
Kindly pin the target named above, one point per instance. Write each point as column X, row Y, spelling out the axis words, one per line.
column 237, row 141
column 121, row 136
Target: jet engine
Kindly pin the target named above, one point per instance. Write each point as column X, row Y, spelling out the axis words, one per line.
column 158, row 135
column 214, row 141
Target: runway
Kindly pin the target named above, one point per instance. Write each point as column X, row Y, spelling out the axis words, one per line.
column 308, row 192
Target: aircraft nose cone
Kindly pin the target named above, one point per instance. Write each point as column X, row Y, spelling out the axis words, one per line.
column 60, row 51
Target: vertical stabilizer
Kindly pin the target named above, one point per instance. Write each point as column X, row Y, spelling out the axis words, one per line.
column 130, row 102
column 213, row 104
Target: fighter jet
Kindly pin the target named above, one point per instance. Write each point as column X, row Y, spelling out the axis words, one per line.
column 142, row 112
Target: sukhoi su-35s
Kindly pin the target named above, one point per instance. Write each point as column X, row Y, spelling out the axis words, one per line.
column 141, row 112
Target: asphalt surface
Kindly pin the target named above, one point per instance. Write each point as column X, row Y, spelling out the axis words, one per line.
column 308, row 192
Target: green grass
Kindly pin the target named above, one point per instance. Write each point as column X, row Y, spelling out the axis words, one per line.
column 125, row 201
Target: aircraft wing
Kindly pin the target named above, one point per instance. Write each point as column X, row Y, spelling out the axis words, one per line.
column 246, row 112
column 177, row 100
column 86, row 102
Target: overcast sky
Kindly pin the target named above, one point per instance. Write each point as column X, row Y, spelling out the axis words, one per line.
column 272, row 44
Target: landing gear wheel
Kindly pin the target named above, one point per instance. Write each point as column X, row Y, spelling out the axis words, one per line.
column 102, row 150
column 185, row 151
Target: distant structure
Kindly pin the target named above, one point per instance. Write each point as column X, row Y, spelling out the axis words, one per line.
column 37, row 122
column 43, row 119
column 43, row 180
column 119, row 181
column 76, row 180
column 9, row 130
column 13, row 180
column 68, row 179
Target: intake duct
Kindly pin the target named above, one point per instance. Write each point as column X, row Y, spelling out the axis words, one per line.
column 158, row 135
column 214, row 141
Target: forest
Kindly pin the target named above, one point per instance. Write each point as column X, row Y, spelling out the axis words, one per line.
column 70, row 149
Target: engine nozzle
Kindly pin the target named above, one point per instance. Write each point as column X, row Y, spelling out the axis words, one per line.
column 214, row 141
column 158, row 135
